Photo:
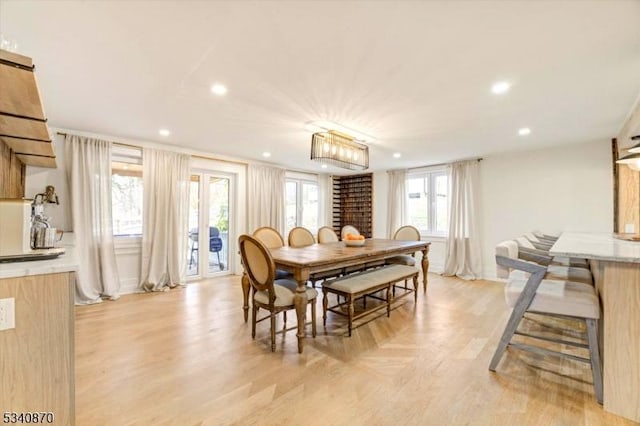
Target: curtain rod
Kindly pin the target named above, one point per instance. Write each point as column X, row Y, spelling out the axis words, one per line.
column 192, row 155
column 443, row 164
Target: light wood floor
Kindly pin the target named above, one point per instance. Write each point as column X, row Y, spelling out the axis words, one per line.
column 186, row 357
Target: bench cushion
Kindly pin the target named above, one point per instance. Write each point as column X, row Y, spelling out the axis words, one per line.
column 556, row 297
column 365, row 280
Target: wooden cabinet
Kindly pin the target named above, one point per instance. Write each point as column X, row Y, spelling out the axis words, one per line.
column 353, row 202
column 23, row 125
column 36, row 357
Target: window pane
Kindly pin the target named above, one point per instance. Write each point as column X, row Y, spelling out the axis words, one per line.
column 310, row 206
column 194, row 215
column 126, row 194
column 418, row 203
column 442, row 196
column 218, row 224
column 291, row 209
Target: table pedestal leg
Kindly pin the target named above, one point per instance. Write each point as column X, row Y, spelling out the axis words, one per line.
column 300, row 302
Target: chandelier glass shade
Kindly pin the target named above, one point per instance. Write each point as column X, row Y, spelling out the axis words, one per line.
column 340, row 150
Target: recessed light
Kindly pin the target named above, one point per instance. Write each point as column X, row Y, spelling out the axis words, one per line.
column 164, row 132
column 397, row 155
column 324, row 166
column 219, row 89
column 266, row 154
column 500, row 87
column 524, row 131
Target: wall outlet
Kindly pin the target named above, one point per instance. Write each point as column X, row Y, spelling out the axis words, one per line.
column 629, row 228
column 7, row 313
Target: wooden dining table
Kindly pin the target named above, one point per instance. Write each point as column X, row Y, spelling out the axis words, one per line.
column 304, row 261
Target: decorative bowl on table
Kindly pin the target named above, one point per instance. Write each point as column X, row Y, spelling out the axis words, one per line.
column 354, row 243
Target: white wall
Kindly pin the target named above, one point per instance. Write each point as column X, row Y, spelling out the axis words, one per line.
column 568, row 188
column 37, row 178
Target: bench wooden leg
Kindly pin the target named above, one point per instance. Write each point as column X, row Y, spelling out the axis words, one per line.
column 284, row 318
column 389, row 300
column 351, row 313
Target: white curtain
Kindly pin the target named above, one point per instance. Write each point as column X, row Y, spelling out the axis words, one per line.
column 89, row 178
column 165, row 177
column 396, row 201
column 325, row 190
column 463, row 252
column 265, row 206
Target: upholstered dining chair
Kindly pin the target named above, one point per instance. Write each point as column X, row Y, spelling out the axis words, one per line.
column 404, row 233
column 528, row 290
column 326, row 234
column 348, row 229
column 268, row 293
column 271, row 238
column 302, row 237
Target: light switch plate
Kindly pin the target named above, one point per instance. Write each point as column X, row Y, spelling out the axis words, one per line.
column 7, row 313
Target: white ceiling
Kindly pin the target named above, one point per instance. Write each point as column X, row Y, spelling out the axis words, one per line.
column 416, row 75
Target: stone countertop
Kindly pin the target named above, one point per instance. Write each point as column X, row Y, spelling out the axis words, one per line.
column 597, row 246
column 66, row 262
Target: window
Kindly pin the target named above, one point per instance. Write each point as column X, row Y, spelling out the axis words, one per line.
column 427, row 202
column 126, row 194
column 301, row 205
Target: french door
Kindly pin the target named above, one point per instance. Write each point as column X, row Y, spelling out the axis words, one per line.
column 210, row 213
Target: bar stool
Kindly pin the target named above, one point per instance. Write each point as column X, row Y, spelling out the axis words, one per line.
column 557, row 298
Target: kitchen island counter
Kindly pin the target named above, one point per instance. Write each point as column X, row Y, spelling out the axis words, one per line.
column 66, row 262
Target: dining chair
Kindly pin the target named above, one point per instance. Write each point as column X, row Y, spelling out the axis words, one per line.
column 326, row 234
column 302, row 237
column 348, row 229
column 269, row 293
column 271, row 238
column 533, row 293
column 404, row 233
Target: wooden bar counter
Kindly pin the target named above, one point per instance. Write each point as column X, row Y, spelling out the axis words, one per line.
column 615, row 264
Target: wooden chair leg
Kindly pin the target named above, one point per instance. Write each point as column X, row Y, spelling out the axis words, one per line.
column 415, row 289
column 325, row 303
column 254, row 314
column 313, row 317
column 524, row 300
column 594, row 354
column 284, row 318
column 273, row 331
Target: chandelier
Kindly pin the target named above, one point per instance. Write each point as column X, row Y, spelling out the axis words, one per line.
column 339, row 149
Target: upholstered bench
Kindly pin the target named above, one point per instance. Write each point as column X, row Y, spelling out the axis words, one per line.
column 364, row 284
